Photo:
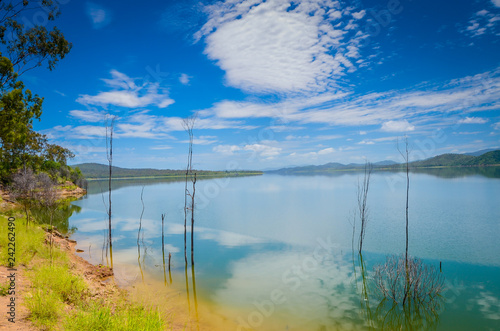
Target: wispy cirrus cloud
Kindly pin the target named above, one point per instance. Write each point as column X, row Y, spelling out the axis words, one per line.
column 483, row 22
column 262, row 150
column 99, row 16
column 127, row 94
column 397, row 126
column 88, row 115
column 393, row 111
column 184, row 79
column 283, row 47
column 473, row 120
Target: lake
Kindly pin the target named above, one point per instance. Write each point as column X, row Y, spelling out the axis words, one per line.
column 275, row 252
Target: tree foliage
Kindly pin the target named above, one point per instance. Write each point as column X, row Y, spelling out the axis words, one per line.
column 25, row 45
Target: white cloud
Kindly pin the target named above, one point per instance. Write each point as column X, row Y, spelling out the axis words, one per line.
column 141, row 125
column 377, row 140
column 329, row 137
column 496, row 126
column 473, row 120
column 263, row 150
column 120, row 80
column 272, row 46
column 482, row 22
column 203, row 140
column 184, row 79
column 292, row 137
column 99, row 16
column 496, row 2
column 289, row 106
column 226, row 149
column 75, row 132
column 392, row 110
column 397, row 126
column 88, row 115
column 160, row 147
column 127, row 94
column 359, row 15
column 325, row 151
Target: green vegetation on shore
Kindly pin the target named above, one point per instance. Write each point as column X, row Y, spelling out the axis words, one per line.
column 100, row 171
column 441, row 161
column 58, row 297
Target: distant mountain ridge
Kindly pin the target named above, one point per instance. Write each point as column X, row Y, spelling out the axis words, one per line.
column 484, row 158
column 481, row 152
column 97, row 171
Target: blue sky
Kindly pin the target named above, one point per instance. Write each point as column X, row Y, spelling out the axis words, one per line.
column 273, row 83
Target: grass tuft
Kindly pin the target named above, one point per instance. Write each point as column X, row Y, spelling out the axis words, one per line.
column 125, row 317
column 57, row 278
column 45, row 307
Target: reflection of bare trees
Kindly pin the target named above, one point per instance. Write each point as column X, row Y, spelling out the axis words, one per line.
column 406, row 156
column 188, row 124
column 139, row 231
column 412, row 316
column 409, row 290
column 386, row 301
column 364, row 291
column 163, row 248
column 423, row 282
column 109, row 154
column 362, row 200
column 410, row 294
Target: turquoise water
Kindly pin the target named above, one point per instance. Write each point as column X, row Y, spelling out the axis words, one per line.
column 274, row 252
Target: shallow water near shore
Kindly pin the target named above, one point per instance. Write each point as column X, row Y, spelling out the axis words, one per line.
column 274, row 252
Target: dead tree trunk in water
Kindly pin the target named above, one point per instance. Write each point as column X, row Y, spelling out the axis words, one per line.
column 188, row 124
column 163, row 247
column 362, row 199
column 109, row 154
column 406, row 155
column 192, row 219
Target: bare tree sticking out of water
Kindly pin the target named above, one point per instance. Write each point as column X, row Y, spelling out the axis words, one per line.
column 163, row 247
column 139, row 236
column 188, row 124
column 191, row 195
column 406, row 156
column 404, row 280
column 411, row 294
column 109, row 154
column 362, row 199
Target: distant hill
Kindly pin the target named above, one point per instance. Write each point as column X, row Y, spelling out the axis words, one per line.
column 98, row 171
column 460, row 160
column 444, row 160
column 481, row 152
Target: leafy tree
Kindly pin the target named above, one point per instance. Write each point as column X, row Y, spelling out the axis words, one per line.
column 24, row 46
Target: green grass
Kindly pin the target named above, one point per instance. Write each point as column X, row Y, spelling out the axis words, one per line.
column 59, row 280
column 126, row 317
column 28, row 243
column 45, row 308
column 55, row 287
column 4, row 288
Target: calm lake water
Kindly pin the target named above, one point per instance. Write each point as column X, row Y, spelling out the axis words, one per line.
column 274, row 252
